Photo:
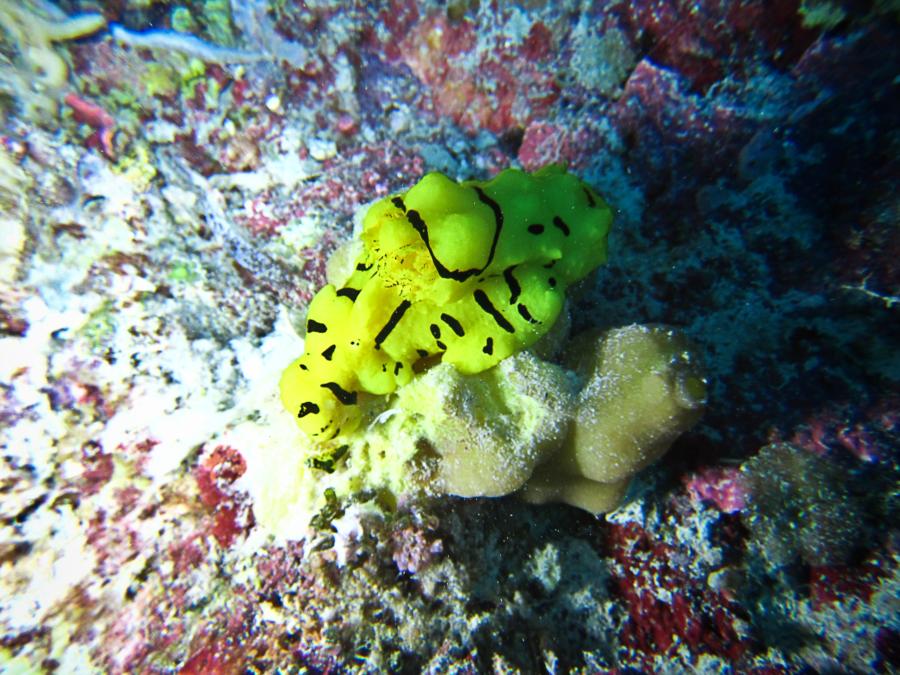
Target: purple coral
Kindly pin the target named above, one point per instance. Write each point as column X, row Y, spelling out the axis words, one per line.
column 723, row 486
column 414, row 549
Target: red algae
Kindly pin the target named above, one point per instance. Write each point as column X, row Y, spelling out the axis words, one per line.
column 665, row 606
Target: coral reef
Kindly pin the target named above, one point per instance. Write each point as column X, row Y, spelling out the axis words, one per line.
column 174, row 187
column 554, row 434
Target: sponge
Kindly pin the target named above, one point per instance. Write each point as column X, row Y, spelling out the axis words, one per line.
column 643, row 390
column 489, row 430
column 555, row 434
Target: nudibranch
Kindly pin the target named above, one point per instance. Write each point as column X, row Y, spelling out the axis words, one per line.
column 466, row 273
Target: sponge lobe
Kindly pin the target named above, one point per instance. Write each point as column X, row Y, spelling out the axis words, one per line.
column 490, row 430
column 643, row 390
column 525, row 425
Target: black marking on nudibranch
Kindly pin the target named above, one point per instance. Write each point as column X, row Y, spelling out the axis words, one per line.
column 523, row 311
column 552, row 282
column 308, row 408
column 397, row 367
column 422, row 353
column 419, row 225
column 455, row 325
column 391, row 323
column 498, row 221
column 514, row 288
column 362, row 267
column 303, row 366
column 536, row 228
column 488, row 346
column 349, row 293
column 485, row 303
column 341, row 394
column 435, row 331
column 560, row 223
column 398, row 202
column 329, row 353
column 313, row 326
column 441, row 346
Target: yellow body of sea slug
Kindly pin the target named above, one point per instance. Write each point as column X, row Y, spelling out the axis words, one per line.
column 466, row 273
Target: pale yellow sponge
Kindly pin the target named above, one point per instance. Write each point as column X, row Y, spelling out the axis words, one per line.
column 643, row 390
column 487, row 432
column 575, row 436
column 550, row 433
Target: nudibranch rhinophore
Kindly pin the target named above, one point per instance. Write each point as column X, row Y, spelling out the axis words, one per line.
column 466, row 273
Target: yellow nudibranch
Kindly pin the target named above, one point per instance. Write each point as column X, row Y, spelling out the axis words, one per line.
column 466, row 273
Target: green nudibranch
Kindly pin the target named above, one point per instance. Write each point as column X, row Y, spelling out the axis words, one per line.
column 466, row 273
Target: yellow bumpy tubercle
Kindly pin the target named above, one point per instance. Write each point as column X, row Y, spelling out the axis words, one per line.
column 468, row 273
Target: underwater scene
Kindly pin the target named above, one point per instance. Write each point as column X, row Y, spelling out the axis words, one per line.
column 450, row 336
